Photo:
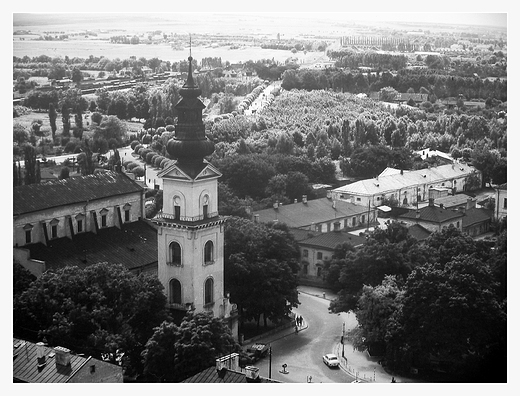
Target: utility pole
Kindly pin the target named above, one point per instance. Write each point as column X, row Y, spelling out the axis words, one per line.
column 270, row 361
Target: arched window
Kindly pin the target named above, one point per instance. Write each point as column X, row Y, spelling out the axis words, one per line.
column 175, row 254
column 175, row 292
column 208, row 291
column 205, row 205
column 177, row 207
column 208, row 252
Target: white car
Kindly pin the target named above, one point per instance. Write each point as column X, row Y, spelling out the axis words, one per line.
column 331, row 360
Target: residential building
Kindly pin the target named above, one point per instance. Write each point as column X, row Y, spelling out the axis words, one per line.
column 501, row 201
column 476, row 221
column 433, row 218
column 405, row 187
column 319, row 214
column 39, row 363
column 81, row 221
column 315, row 250
column 190, row 242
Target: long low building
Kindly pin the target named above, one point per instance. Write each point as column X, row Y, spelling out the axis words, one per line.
column 318, row 214
column 405, row 187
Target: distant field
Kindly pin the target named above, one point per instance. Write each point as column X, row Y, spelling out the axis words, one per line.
column 85, row 48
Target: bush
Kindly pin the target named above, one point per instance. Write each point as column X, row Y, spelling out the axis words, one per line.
column 157, row 161
column 164, row 163
column 137, row 148
column 70, row 146
column 138, row 171
column 132, row 165
column 134, row 144
column 112, row 143
column 64, row 141
column 96, row 117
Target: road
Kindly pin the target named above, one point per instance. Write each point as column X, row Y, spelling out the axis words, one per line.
column 303, row 352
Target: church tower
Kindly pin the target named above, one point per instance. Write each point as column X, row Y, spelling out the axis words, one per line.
column 190, row 230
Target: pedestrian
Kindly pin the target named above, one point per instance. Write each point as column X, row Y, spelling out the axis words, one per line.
column 393, row 380
column 301, row 321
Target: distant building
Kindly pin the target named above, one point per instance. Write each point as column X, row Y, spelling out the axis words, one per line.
column 315, row 250
column 38, row 363
column 319, row 214
column 501, row 201
column 406, row 187
column 433, row 218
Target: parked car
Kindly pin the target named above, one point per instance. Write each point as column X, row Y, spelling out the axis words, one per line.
column 331, row 360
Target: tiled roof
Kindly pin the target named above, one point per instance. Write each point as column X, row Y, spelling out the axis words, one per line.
column 211, row 375
column 29, row 369
column 418, row 232
column 297, row 215
column 433, row 214
column 329, row 240
column 475, row 216
column 134, row 246
column 54, row 193
column 391, row 181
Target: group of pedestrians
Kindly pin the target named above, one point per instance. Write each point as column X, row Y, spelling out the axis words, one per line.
column 299, row 321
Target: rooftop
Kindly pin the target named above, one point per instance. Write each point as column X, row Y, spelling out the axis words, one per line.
column 391, row 179
column 27, row 367
column 433, row 214
column 476, row 216
column 418, row 232
column 224, row 376
column 134, row 246
column 298, row 215
column 329, row 240
column 54, row 193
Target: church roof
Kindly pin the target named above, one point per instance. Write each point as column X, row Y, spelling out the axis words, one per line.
column 55, row 193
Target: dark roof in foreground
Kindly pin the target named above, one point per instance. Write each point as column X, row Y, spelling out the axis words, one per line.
column 134, row 246
column 26, row 366
column 211, row 375
column 329, row 240
column 54, row 193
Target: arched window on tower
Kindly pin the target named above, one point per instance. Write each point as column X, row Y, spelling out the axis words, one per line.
column 208, row 291
column 208, row 252
column 205, row 205
column 175, row 295
column 177, row 207
column 175, row 254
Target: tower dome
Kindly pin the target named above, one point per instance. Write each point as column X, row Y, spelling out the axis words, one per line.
column 190, row 144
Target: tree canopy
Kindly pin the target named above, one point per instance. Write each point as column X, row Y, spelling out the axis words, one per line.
column 100, row 310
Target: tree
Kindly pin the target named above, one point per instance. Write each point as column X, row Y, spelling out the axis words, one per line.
column 22, row 279
column 100, row 310
column 450, row 313
column 174, row 353
column 111, row 128
column 85, row 161
column 77, row 76
column 53, row 115
column 260, row 267
column 65, row 117
column 20, row 134
column 32, row 165
column 388, row 94
column 64, row 173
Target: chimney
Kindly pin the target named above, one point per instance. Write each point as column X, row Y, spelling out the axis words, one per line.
column 431, row 202
column 275, row 206
column 401, row 171
column 229, row 362
column 337, row 226
column 441, row 206
column 304, row 199
column 256, row 217
column 62, row 356
column 329, row 194
column 40, row 350
column 417, row 214
column 295, row 200
column 252, row 374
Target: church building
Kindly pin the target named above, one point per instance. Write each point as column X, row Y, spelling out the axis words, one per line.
column 190, row 231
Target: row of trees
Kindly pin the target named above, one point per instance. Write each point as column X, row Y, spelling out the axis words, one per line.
column 441, row 302
column 437, row 86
